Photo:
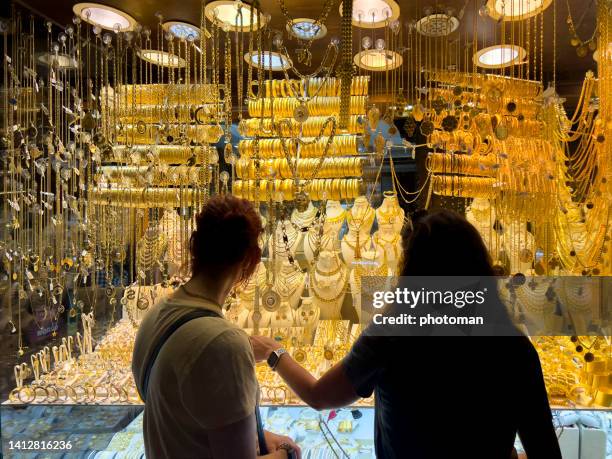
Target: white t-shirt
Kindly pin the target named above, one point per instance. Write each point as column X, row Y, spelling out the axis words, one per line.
column 203, row 378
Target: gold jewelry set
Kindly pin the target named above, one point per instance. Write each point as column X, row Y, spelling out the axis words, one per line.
column 345, row 145
column 317, row 106
column 331, row 167
column 288, row 127
column 321, row 86
column 100, row 376
column 318, row 189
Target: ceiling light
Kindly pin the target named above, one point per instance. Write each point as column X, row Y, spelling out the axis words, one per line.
column 225, row 12
column 378, row 60
column 276, row 60
column 437, row 25
column 104, row 16
column 58, row 61
column 306, row 29
column 516, row 10
column 162, row 58
column 499, row 56
column 372, row 14
column 182, row 30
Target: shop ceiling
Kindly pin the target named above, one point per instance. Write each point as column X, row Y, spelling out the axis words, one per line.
column 570, row 68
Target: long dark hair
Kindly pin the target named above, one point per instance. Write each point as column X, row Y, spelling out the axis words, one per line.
column 444, row 243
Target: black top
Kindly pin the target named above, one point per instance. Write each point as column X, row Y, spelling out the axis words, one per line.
column 449, row 397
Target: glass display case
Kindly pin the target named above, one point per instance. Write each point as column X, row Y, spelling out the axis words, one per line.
column 103, row 432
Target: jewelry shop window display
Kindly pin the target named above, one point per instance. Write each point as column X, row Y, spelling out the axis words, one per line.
column 144, row 154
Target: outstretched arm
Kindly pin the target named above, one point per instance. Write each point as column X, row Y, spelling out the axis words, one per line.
column 332, row 390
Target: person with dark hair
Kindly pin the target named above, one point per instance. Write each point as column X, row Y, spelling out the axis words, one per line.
column 194, row 369
column 437, row 397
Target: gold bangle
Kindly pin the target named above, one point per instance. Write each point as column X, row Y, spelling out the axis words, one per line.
column 54, row 388
column 23, row 389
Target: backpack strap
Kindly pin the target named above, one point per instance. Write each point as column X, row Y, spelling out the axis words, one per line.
column 187, row 317
column 182, row 320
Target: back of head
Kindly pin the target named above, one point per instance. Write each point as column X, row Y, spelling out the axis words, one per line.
column 444, row 244
column 226, row 237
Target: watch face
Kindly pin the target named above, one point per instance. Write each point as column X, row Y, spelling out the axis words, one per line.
column 272, row 359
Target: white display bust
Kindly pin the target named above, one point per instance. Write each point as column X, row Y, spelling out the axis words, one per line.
column 283, row 317
column 307, row 316
column 304, row 219
column 328, row 285
column 359, row 219
column 289, row 282
column 277, row 248
column 334, row 218
column 390, row 212
column 371, row 262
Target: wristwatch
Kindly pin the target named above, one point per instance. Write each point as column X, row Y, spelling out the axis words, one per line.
column 288, row 449
column 275, row 356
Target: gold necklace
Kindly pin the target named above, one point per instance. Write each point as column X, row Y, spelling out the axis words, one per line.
column 356, row 244
column 334, row 271
column 393, row 241
column 338, row 218
column 336, row 297
column 377, row 272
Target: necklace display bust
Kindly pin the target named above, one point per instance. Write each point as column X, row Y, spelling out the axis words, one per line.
column 359, row 220
column 307, row 316
column 328, row 282
column 304, row 219
column 390, row 213
column 334, row 218
column 371, row 265
column 276, row 245
column 289, row 282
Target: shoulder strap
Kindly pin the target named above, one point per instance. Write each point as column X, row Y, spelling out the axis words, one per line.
column 194, row 314
column 182, row 320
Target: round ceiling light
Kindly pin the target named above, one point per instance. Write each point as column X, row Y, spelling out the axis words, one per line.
column 516, row 10
column 268, row 59
column 59, row 61
column 378, row 60
column 225, row 13
column 107, row 17
column 437, row 25
column 162, row 58
column 372, row 14
column 499, row 56
column 306, row 29
column 182, row 30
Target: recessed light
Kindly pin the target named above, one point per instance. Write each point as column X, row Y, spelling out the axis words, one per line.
column 437, row 25
column 162, row 58
column 268, row 59
column 107, row 17
column 372, row 14
column 378, row 60
column 182, row 30
column 59, row 61
column 225, row 13
column 306, row 29
column 516, row 10
column 499, row 56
